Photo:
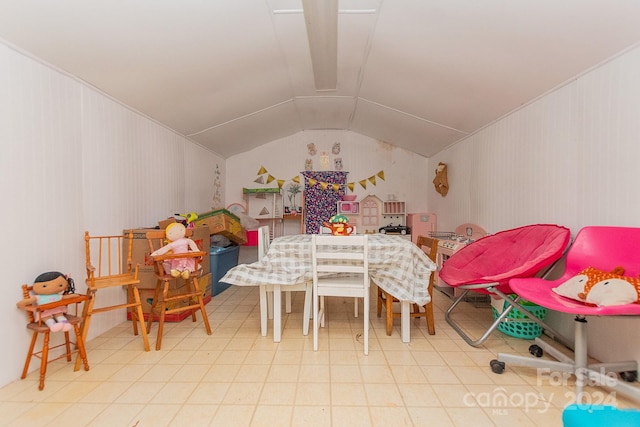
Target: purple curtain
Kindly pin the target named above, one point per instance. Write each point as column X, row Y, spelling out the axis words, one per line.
column 319, row 204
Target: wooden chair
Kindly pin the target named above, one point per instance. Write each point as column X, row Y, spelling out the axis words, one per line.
column 170, row 301
column 340, row 266
column 107, row 269
column 38, row 327
column 430, row 246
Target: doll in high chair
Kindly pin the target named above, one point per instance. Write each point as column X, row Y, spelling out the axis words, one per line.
column 178, row 244
column 50, row 287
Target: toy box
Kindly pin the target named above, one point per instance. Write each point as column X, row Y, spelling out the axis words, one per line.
column 223, row 222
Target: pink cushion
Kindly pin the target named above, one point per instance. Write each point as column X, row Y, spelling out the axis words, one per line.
column 519, row 252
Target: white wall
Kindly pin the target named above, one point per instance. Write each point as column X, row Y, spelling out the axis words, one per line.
column 73, row 160
column 362, row 157
column 569, row 158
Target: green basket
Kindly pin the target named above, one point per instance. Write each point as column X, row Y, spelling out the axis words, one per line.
column 517, row 324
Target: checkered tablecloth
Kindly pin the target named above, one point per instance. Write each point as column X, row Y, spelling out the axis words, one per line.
column 395, row 264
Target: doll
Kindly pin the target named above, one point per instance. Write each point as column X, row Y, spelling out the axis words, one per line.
column 49, row 287
column 178, row 244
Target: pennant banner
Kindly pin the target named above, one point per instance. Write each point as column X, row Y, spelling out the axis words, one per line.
column 323, row 185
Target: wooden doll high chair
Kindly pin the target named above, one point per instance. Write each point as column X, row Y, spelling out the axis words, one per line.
column 187, row 298
column 36, row 313
column 107, row 269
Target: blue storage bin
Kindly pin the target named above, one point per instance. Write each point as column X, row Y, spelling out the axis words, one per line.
column 222, row 260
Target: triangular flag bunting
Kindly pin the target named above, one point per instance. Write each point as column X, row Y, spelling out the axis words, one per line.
column 264, row 211
column 381, row 175
column 312, row 182
column 270, row 178
column 262, row 170
column 363, row 183
column 296, row 179
column 373, row 179
column 259, row 180
column 336, row 187
column 280, row 182
column 350, row 186
column 324, row 185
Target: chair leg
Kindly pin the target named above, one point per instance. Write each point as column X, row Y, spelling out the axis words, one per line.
column 355, row 307
column 389, row 312
column 82, row 351
column 316, row 312
column 27, row 362
column 287, row 303
column 366, row 322
column 67, row 345
column 263, row 310
column 154, row 305
column 134, row 314
column 379, row 308
column 139, row 316
column 306, row 316
column 45, row 359
column 203, row 310
column 163, row 309
column 431, row 327
column 87, row 312
column 190, row 288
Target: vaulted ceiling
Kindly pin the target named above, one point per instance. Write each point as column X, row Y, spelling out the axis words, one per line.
column 235, row 74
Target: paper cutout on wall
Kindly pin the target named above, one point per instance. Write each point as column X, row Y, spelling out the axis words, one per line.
column 264, row 211
column 280, row 183
column 259, row 180
column 270, row 178
column 381, row 175
column 262, row 171
column 372, row 179
column 363, row 183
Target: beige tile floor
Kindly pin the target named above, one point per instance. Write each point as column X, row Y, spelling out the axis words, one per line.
column 236, row 377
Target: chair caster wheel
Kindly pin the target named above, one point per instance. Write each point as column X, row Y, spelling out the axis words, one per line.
column 535, row 350
column 629, row 376
column 497, row 366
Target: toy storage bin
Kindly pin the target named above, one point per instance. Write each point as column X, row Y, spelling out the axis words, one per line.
column 517, row 324
column 222, row 260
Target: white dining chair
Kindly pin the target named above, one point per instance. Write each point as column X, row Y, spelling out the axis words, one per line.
column 340, row 268
column 268, row 295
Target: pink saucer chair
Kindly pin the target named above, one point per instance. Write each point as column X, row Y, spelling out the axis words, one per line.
column 487, row 265
column 604, row 248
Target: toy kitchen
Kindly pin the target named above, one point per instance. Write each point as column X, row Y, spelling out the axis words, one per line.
column 449, row 242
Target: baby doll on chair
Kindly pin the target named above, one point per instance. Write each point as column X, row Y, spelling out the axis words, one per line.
column 178, row 244
column 50, row 287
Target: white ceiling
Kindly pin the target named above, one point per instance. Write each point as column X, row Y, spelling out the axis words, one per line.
column 235, row 74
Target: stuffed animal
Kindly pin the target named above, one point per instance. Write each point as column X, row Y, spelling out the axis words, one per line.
column 178, row 244
column 600, row 288
column 441, row 182
column 49, row 287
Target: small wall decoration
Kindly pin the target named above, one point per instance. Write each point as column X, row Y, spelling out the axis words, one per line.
column 308, row 165
column 336, row 148
column 440, row 181
column 337, row 163
column 311, row 147
column 324, row 161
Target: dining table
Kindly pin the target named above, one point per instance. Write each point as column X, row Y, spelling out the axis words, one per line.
column 396, row 265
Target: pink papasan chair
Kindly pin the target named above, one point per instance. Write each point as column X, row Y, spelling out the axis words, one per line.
column 487, row 265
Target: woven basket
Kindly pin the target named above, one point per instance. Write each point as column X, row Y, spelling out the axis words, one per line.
column 517, row 324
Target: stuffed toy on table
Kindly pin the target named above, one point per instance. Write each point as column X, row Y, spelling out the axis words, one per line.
column 50, row 287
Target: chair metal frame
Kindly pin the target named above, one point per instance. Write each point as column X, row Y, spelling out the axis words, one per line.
column 497, row 283
column 192, row 300
column 38, row 327
column 387, row 300
column 340, row 267
column 600, row 247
